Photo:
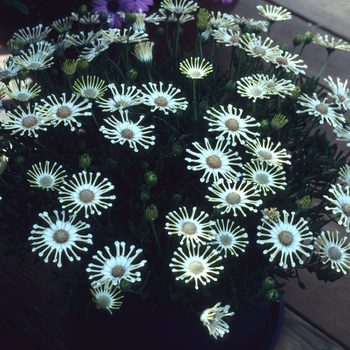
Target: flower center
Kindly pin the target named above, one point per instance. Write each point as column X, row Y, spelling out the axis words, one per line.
column 232, row 124
column 262, row 178
column 196, row 267
column 334, row 253
column 285, row 237
column 120, row 103
column 341, row 98
column 282, row 61
column 118, row 271
column 233, row 198
column 255, row 91
column 322, row 108
column 86, row 196
column 22, row 96
column 35, row 65
column 214, row 161
column 103, row 302
column 29, row 121
column 195, row 74
column 234, row 39
column 266, row 154
column 63, row 112
column 4, row 74
column 127, row 134
column 225, row 240
column 61, row 236
column 90, row 93
column 45, row 181
column 259, row 50
column 271, row 85
column 189, row 227
column 346, row 209
column 99, row 48
column 161, row 101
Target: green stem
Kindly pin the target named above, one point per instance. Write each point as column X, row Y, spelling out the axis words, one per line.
column 324, row 66
column 156, row 237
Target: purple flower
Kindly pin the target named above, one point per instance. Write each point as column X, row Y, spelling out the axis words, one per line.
column 111, row 7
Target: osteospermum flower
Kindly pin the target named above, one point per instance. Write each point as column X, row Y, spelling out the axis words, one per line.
column 286, row 238
column 59, row 235
column 231, row 124
column 237, row 196
column 37, row 57
column 275, row 86
column 116, row 267
column 325, row 111
column 332, row 44
column 290, row 63
column 25, row 121
column 179, row 6
column 334, row 250
column 266, row 152
column 123, row 36
column 82, row 39
column 85, row 192
column 98, row 46
column 217, row 162
column 265, row 177
column 254, row 87
column 339, row 92
column 125, row 130
column 9, row 69
column 32, row 35
column 88, row 18
column 343, row 134
column 144, row 52
column 219, row 20
column 92, row 87
column 226, row 36
column 212, row 318
column 228, row 238
column 341, row 204
column 274, row 13
column 123, row 99
column 175, row 18
column 344, row 174
column 64, row 111
column 254, row 46
column 194, row 265
column 63, row 25
column 164, row 101
column 193, row 68
column 106, row 297
column 48, row 177
column 21, row 91
column 194, row 228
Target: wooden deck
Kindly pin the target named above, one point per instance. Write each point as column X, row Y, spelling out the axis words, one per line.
column 316, row 318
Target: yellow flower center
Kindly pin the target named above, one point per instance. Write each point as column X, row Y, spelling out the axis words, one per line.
column 127, row 134
column 341, row 98
column 63, row 112
column 120, row 103
column 196, row 267
column 346, row 209
column 334, row 253
column 189, row 227
column 233, row 198
column 234, row 39
column 232, row 124
column 322, row 108
column 259, row 50
column 29, row 121
column 118, row 271
column 195, row 74
column 285, row 237
column 214, row 161
column 86, row 196
column 161, row 101
column 61, row 236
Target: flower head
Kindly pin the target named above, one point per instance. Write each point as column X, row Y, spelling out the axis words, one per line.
column 46, row 178
column 227, row 237
column 179, row 6
column 85, row 192
column 274, row 13
column 125, row 130
column 21, row 91
column 59, row 236
column 212, row 318
column 217, row 162
column 106, row 297
column 286, row 238
column 194, row 228
column 343, row 134
column 339, row 92
column 194, row 265
column 290, row 63
column 63, row 25
column 344, row 174
column 334, row 250
column 144, row 51
column 32, row 35
column 9, row 69
column 254, row 87
column 115, row 267
column 193, row 68
column 226, row 36
column 237, row 196
column 164, row 101
column 98, row 46
column 93, row 87
column 332, row 44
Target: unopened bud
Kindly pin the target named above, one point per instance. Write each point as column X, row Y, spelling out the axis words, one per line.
column 151, row 178
column 304, row 204
column 269, row 283
column 307, row 38
column 82, row 10
column 131, row 74
column 144, row 196
column 272, row 295
column 124, row 285
column 151, row 213
column 298, row 39
column 84, row 161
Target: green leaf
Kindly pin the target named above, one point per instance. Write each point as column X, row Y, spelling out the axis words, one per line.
column 17, row 6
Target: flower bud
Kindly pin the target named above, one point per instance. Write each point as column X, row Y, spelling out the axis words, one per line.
column 231, row 86
column 20, row 160
column 304, row 204
column 272, row 295
column 22, row 74
column 265, row 124
column 103, row 17
column 69, row 66
column 159, row 32
column 3, row 163
column 130, row 18
column 84, row 161
column 285, row 48
column 307, row 38
column 131, row 74
column 298, row 39
column 82, row 10
column 278, row 121
column 125, row 285
column 268, row 283
column 202, row 19
column 176, row 150
column 83, row 64
column 151, row 212
column 296, row 92
column 176, row 198
column 151, row 178
column 144, row 196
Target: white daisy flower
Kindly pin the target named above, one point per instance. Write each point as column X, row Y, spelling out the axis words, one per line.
column 106, row 297
column 254, row 87
column 175, row 18
column 238, row 196
column 9, row 69
column 125, row 130
column 165, row 101
column 229, row 238
column 115, row 267
column 144, row 52
column 217, row 162
column 64, row 111
column 332, row 44
column 193, row 68
column 194, row 228
column 221, row 20
column 226, row 36
column 266, row 152
column 89, row 18
column 63, row 25
column 275, row 86
column 194, row 265
column 344, row 174
column 59, row 236
column 274, row 13
column 179, row 6
column 325, row 111
column 123, row 36
column 98, row 46
column 343, row 134
column 123, row 99
column 341, row 204
column 21, row 91
column 231, row 124
column 32, row 35
column 27, row 121
column 82, row 39
column 334, row 250
column 339, row 92
column 286, row 238
column 290, row 63
column 48, row 177
column 84, row 192
column 212, row 318
column 90, row 86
